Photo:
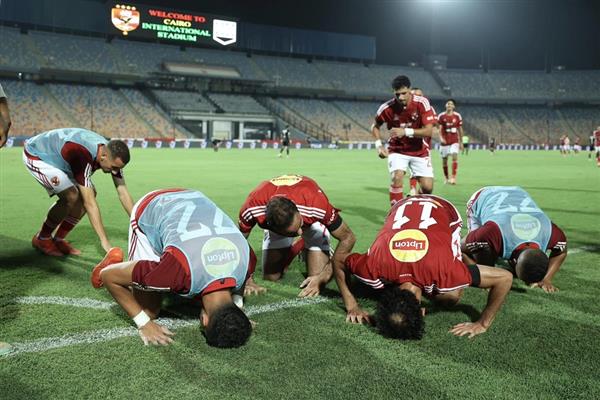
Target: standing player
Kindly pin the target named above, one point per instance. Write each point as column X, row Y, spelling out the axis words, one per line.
column 465, row 142
column 413, row 179
column 290, row 206
column 505, row 222
column 410, row 119
column 577, row 145
column 5, row 121
column 595, row 141
column 63, row 161
column 180, row 242
column 285, row 141
column 418, row 252
column 451, row 134
column 492, row 145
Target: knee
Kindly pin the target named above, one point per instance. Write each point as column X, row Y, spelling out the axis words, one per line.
column 273, row 277
column 70, row 197
column 426, row 188
column 397, row 179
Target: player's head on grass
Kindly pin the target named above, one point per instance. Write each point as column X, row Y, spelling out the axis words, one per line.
column 283, row 217
column 398, row 314
column 114, row 156
column 225, row 324
column 532, row 265
column 401, row 87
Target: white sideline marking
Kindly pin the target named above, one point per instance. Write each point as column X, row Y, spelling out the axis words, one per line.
column 65, row 301
column 103, row 335
column 582, row 249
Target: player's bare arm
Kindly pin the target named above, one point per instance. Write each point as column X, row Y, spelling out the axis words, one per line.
column 251, row 287
column 553, row 267
column 354, row 313
column 117, row 280
column 124, row 196
column 426, row 131
column 88, row 198
column 460, row 136
column 5, row 122
column 499, row 281
column 376, row 132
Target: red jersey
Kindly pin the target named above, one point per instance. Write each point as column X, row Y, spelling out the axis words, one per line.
column 597, row 138
column 449, row 126
column 419, row 243
column 416, row 114
column 312, row 203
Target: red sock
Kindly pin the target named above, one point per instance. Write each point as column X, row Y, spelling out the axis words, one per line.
column 396, row 194
column 446, row 171
column 413, row 183
column 47, row 229
column 296, row 248
column 65, row 227
column 454, row 168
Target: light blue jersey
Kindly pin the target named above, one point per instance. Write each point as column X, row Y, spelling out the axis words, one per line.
column 212, row 244
column 520, row 220
column 48, row 145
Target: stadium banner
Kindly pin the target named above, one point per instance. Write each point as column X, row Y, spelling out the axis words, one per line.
column 170, row 25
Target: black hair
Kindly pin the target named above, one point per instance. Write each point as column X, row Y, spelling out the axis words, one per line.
column 398, row 314
column 400, row 81
column 280, row 213
column 533, row 265
column 118, row 149
column 453, row 101
column 228, row 327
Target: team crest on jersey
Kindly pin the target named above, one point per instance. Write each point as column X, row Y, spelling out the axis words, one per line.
column 409, row 245
column 55, row 181
column 286, row 180
column 525, row 226
column 220, row 256
column 125, row 18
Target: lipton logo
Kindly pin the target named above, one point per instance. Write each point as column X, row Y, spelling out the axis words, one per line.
column 220, row 256
column 409, row 245
column 525, row 226
column 286, row 180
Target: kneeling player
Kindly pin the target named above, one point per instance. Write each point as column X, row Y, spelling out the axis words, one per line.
column 418, row 252
column 290, row 206
column 505, row 222
column 181, row 242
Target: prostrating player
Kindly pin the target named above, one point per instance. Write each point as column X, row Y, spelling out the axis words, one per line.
column 596, row 143
column 451, row 134
column 410, row 119
column 505, row 222
column 288, row 206
column 63, row 161
column 285, row 141
column 418, row 252
column 181, row 242
column 5, row 121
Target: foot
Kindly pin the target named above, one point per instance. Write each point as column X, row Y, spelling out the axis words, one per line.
column 113, row 256
column 413, row 191
column 46, row 246
column 445, row 181
column 453, row 181
column 66, row 248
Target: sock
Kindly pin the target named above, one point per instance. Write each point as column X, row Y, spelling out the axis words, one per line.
column 446, row 171
column 413, row 183
column 296, row 248
column 454, row 168
column 396, row 194
column 65, row 227
column 47, row 229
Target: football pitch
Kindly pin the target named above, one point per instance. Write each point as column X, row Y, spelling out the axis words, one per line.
column 71, row 341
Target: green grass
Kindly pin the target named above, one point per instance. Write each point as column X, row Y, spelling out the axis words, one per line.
column 540, row 347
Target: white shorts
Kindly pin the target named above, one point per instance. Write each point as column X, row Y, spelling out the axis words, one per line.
column 51, row 178
column 597, row 149
column 316, row 237
column 450, row 149
column 420, row 166
column 139, row 245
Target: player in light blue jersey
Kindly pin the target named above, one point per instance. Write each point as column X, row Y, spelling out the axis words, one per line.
column 63, row 161
column 181, row 242
column 504, row 222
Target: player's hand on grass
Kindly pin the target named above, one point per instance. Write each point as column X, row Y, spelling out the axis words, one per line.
column 153, row 333
column 357, row 316
column 468, row 328
column 546, row 286
column 253, row 288
column 311, row 287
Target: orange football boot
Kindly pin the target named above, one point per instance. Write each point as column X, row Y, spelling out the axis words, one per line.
column 113, row 256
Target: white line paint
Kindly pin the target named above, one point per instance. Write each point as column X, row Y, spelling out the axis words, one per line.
column 582, row 249
column 65, row 301
column 103, row 335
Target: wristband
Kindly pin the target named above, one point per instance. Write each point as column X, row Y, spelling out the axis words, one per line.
column 141, row 319
column 409, row 132
column 378, row 143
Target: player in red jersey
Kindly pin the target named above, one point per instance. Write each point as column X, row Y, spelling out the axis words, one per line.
column 288, row 206
column 410, row 120
column 418, row 252
column 596, row 135
column 413, row 180
column 451, row 133
column 5, row 121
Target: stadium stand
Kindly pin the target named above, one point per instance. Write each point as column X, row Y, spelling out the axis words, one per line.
column 16, row 50
column 184, row 101
column 292, row 72
column 237, row 103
